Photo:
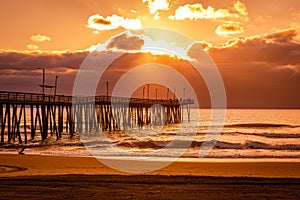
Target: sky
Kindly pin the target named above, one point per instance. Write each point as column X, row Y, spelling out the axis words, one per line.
column 254, row 44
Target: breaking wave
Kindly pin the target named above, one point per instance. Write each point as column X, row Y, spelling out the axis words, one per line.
column 150, row 144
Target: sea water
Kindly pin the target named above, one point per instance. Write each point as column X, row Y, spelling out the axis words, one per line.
column 246, row 133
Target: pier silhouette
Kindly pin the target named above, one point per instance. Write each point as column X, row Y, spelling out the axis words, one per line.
column 32, row 113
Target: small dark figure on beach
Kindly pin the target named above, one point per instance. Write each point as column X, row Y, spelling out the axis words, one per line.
column 21, row 152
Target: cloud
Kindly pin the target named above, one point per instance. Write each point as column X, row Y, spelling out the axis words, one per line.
column 286, row 35
column 28, row 60
column 156, row 16
column 197, row 11
column 156, row 5
column 259, row 71
column 126, row 42
column 241, row 8
column 277, row 48
column 19, row 69
column 32, row 46
column 229, row 29
column 204, row 45
column 100, row 23
column 40, row 38
column 293, row 68
column 263, row 68
column 136, row 41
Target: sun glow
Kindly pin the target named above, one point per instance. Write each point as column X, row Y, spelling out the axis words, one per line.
column 155, row 47
column 161, row 47
column 156, row 5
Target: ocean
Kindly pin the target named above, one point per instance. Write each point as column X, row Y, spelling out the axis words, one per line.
column 247, row 133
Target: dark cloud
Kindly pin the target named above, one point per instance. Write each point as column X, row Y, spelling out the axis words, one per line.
column 261, row 71
column 19, row 70
column 283, row 36
column 32, row 61
column 101, row 21
column 275, row 49
column 126, row 42
column 229, row 29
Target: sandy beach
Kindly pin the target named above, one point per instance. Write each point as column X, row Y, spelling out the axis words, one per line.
column 32, row 165
column 56, row 177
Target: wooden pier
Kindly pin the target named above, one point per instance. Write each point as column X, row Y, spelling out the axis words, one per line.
column 23, row 114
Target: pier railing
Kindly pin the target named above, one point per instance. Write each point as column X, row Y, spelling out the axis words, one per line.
column 34, row 98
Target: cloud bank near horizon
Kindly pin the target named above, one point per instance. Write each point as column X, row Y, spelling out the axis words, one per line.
column 258, row 71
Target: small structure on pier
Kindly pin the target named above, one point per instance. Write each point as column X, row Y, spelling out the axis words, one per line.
column 23, row 113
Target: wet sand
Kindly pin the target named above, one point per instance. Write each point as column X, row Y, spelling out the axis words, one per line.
column 146, row 187
column 55, row 177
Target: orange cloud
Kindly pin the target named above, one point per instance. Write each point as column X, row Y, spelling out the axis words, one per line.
column 229, row 29
column 100, row 23
column 241, row 8
column 197, row 11
column 286, row 35
column 40, row 38
column 205, row 45
column 32, row 46
column 293, row 68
